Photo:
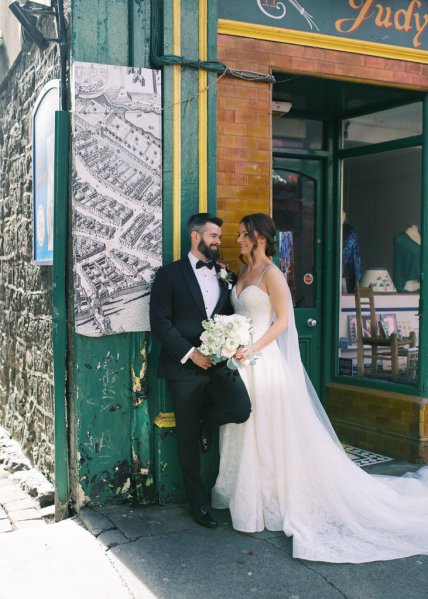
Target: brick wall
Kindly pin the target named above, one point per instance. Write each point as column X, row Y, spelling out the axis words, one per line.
column 244, row 115
column 244, row 156
column 26, row 364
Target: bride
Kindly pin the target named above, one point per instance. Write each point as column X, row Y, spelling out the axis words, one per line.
column 284, row 469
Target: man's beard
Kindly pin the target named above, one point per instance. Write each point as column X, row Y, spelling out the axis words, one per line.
column 208, row 252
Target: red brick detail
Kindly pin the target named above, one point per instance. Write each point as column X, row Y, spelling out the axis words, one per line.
column 244, row 115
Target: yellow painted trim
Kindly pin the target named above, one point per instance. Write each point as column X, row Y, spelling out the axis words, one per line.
column 176, row 134
column 165, row 420
column 316, row 40
column 203, row 109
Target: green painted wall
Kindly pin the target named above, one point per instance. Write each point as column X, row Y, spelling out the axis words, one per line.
column 115, row 449
column 110, row 415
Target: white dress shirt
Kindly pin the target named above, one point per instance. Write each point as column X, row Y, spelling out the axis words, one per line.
column 210, row 289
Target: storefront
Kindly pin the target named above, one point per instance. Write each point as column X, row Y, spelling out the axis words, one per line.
column 347, row 122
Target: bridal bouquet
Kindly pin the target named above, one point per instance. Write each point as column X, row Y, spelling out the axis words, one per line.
column 223, row 335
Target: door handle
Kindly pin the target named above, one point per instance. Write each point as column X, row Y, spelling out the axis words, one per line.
column 311, row 322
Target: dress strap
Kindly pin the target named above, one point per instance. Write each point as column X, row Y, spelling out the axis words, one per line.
column 263, row 272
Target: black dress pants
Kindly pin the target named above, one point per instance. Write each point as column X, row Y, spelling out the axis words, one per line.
column 217, row 396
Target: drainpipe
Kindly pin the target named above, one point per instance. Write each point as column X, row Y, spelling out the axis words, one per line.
column 59, row 312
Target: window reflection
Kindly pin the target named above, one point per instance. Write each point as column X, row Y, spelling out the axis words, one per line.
column 385, row 125
column 297, row 133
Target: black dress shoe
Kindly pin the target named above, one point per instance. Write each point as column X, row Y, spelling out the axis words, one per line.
column 205, row 439
column 202, row 515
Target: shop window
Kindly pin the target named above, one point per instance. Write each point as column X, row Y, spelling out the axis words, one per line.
column 385, row 125
column 302, row 134
column 381, row 249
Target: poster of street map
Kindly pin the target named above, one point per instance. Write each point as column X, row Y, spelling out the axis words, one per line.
column 117, row 196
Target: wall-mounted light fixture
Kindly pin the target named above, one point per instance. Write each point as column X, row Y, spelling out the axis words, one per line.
column 28, row 21
column 27, row 13
column 280, row 108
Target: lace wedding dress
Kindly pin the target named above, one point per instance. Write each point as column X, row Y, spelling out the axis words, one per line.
column 285, row 470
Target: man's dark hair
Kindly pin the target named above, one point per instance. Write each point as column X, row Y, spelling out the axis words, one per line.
column 197, row 222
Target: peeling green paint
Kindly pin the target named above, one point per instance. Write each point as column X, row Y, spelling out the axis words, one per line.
column 116, row 395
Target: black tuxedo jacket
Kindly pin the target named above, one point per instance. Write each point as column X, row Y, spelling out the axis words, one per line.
column 176, row 314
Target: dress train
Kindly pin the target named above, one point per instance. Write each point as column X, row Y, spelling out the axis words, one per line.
column 284, row 469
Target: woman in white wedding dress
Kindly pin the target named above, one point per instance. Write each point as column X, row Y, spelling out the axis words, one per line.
column 284, row 469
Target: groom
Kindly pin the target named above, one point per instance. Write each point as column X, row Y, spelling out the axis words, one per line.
column 184, row 294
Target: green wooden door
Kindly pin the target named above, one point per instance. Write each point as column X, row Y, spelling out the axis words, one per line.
column 297, row 212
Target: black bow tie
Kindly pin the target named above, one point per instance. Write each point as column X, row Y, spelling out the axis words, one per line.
column 210, row 265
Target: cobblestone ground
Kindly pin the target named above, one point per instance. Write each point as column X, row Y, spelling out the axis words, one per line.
column 26, row 496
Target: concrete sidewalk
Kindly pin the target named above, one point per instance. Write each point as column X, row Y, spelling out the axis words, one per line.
column 159, row 552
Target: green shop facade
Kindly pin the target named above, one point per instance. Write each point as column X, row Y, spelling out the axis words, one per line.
column 316, row 115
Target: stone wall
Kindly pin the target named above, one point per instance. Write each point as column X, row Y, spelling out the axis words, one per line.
column 26, row 361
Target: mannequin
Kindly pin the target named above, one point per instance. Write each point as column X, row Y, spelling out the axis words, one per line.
column 413, row 232
column 407, row 249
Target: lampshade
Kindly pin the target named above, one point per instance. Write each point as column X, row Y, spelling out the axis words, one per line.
column 379, row 279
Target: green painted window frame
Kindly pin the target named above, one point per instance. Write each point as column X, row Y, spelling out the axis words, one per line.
column 421, row 388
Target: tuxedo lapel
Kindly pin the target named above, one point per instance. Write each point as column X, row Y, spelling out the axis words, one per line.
column 224, row 292
column 193, row 284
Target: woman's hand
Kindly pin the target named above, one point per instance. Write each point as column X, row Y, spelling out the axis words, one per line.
column 243, row 353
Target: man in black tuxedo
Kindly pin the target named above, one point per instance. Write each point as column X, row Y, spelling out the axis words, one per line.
column 184, row 294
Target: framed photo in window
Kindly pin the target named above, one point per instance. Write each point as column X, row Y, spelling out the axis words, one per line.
column 386, row 322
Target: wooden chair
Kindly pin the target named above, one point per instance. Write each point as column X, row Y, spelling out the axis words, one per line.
column 390, row 345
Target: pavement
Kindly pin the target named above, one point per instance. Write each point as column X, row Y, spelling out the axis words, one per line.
column 153, row 552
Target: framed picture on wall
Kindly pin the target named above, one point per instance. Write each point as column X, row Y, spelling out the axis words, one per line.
column 386, row 322
column 352, row 327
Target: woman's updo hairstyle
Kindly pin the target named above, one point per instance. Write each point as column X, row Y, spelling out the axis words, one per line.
column 264, row 225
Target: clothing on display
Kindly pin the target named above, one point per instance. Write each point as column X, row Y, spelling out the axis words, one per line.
column 351, row 260
column 407, row 251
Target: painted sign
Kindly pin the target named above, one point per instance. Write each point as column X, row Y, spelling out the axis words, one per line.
column 402, row 23
column 43, row 172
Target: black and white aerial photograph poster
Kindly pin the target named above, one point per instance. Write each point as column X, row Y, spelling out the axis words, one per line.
column 117, row 196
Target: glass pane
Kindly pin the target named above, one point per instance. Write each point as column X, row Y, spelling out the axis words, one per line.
column 294, row 214
column 386, row 125
column 297, row 133
column 381, row 249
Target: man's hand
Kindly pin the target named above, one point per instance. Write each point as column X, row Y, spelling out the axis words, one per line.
column 200, row 360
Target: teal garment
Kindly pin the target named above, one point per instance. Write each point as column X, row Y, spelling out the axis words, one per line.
column 407, row 260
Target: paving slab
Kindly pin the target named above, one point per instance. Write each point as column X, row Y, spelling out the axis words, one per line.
column 59, row 560
column 213, row 564
column 5, row 526
column 112, row 538
column 95, row 522
column 28, row 514
column 396, row 579
column 11, row 492
column 138, row 521
column 24, row 524
column 20, row 504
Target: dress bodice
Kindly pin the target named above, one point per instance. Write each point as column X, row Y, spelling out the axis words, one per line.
column 255, row 304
